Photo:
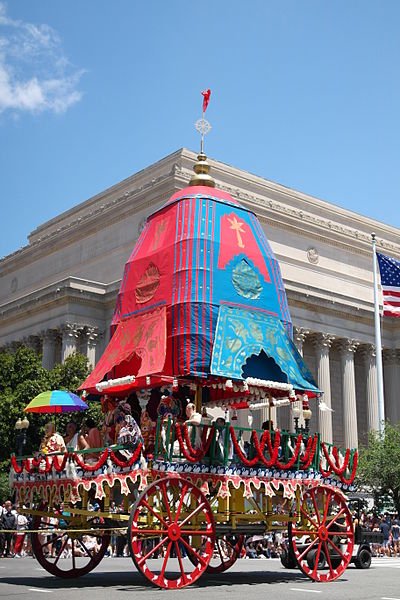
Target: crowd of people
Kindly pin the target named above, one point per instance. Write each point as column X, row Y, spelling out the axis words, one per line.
column 271, row 545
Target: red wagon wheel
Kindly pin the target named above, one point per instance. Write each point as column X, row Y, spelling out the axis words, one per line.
column 171, row 519
column 64, row 552
column 227, row 550
column 322, row 537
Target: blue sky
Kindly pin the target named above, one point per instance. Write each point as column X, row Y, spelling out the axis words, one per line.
column 305, row 93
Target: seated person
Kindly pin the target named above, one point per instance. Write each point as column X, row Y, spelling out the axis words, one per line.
column 74, row 438
column 52, row 442
column 93, row 437
column 193, row 417
column 129, row 432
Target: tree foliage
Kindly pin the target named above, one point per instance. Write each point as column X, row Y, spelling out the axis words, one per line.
column 22, row 377
column 379, row 465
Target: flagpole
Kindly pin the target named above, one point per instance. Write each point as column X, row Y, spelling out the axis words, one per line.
column 378, row 343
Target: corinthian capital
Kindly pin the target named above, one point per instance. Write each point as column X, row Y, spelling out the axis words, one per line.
column 322, row 341
column 348, row 346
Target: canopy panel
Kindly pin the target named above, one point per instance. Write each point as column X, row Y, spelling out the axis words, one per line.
column 250, row 343
column 139, row 342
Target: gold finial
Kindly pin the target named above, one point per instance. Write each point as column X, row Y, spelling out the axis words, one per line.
column 201, row 167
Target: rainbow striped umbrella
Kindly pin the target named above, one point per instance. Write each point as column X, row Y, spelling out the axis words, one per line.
column 56, row 401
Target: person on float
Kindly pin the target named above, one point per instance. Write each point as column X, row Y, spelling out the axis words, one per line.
column 193, row 418
column 129, row 431
column 52, row 442
column 93, row 437
column 75, row 439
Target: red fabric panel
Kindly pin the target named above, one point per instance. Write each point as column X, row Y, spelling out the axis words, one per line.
column 141, row 335
column 236, row 237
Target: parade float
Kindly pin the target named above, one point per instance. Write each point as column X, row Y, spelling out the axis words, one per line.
column 201, row 317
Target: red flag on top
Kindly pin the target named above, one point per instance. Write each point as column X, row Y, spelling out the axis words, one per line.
column 206, row 99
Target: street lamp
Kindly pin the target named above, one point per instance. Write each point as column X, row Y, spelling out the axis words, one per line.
column 21, row 426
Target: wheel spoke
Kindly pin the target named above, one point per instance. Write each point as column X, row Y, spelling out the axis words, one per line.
column 178, row 554
column 193, row 532
column 315, row 506
column 85, row 549
column 302, row 555
column 178, row 510
column 61, row 551
column 73, row 555
column 157, row 515
column 52, row 540
column 308, row 517
column 167, row 553
column 336, row 549
column 154, row 549
column 328, row 499
column 303, row 532
column 158, row 532
column 335, row 518
column 219, row 551
column 193, row 513
column 193, row 552
column 328, row 558
column 164, row 494
column 315, row 569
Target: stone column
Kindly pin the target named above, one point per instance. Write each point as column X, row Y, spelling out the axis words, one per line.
column 392, row 387
column 90, row 337
column 299, row 337
column 347, row 350
column 49, row 338
column 368, row 354
column 322, row 343
column 70, row 333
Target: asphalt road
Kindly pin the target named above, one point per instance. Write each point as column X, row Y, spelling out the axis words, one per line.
column 117, row 579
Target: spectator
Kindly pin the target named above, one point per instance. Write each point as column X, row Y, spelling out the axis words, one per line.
column 396, row 536
column 22, row 523
column 8, row 522
column 385, row 529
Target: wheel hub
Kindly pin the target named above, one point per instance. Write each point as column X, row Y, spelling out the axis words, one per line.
column 174, row 532
column 323, row 533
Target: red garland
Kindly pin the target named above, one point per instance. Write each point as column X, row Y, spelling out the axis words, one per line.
column 243, row 457
column 193, row 455
column 126, row 463
column 353, row 472
column 324, row 473
column 336, row 469
column 17, row 469
column 291, row 462
column 345, row 461
column 60, row 467
column 36, row 463
column 260, row 447
column 307, row 458
column 91, row 468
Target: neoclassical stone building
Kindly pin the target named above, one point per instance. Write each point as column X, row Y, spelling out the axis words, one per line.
column 57, row 294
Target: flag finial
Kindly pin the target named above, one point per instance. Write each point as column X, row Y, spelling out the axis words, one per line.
column 201, row 167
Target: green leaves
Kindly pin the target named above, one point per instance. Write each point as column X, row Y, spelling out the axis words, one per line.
column 379, row 464
column 22, row 377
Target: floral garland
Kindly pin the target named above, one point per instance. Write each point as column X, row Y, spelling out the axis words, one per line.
column 18, row 469
column 60, row 466
column 273, row 452
column 309, row 453
column 91, row 468
column 190, row 453
column 36, row 462
column 126, row 463
column 293, row 459
column 353, row 471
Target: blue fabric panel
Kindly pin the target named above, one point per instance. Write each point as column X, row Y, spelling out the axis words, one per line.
column 242, row 333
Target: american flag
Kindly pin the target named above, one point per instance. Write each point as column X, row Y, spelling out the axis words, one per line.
column 390, row 280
